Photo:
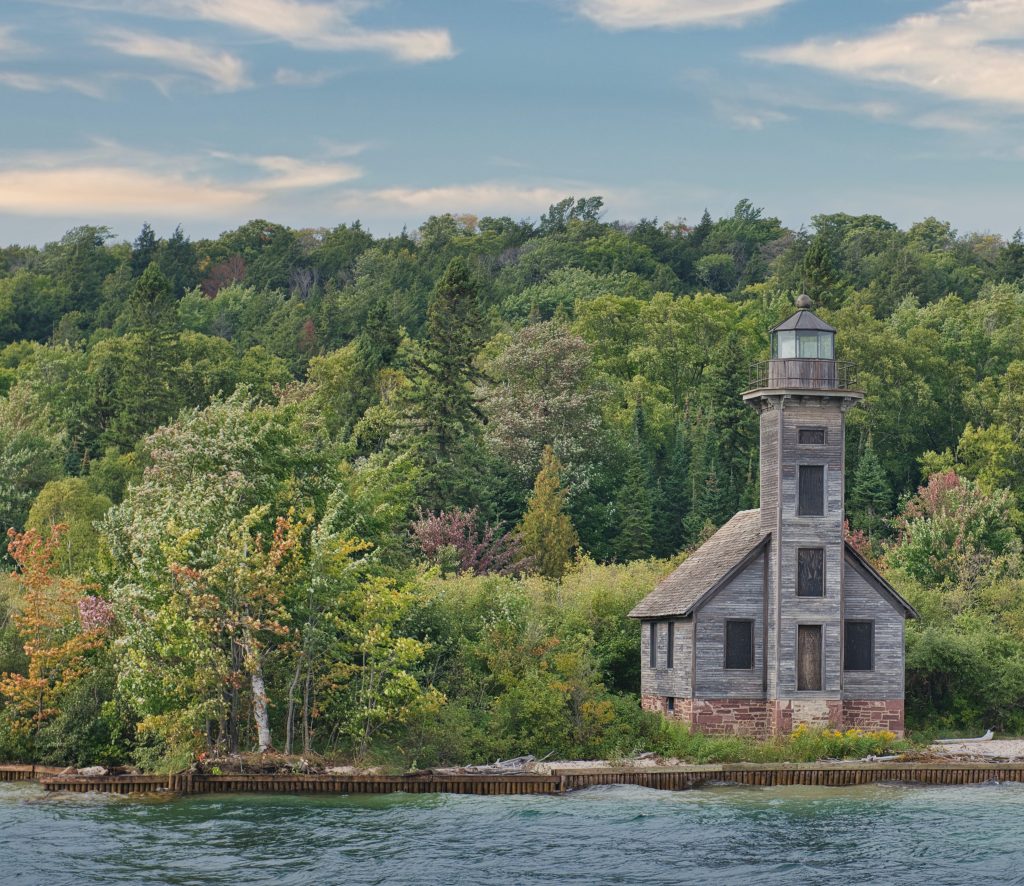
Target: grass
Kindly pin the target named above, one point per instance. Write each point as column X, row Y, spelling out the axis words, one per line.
column 804, row 745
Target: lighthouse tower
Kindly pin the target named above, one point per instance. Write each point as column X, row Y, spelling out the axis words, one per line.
column 802, row 394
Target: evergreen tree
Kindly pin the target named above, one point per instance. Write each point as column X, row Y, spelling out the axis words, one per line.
column 870, row 500
column 144, row 250
column 151, row 306
column 547, row 532
column 711, row 500
column 177, row 259
column 673, row 497
column 635, row 512
column 441, row 424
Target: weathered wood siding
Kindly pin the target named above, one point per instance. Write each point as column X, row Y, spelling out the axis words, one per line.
column 769, row 468
column 742, row 598
column 865, row 602
column 674, row 682
column 797, row 532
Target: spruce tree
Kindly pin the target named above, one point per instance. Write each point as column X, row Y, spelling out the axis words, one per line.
column 547, row 533
column 673, row 497
column 635, row 513
column 870, row 500
column 143, row 250
column 441, row 423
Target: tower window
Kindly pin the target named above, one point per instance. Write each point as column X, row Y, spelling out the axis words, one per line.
column 858, row 646
column 810, row 572
column 739, row 645
column 811, row 499
column 811, row 436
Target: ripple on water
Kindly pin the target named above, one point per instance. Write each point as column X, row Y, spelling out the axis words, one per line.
column 611, row 834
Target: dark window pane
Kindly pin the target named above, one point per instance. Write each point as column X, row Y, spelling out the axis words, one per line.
column 670, row 654
column 739, row 645
column 858, row 654
column 811, row 501
column 671, row 704
column 812, row 435
column 654, row 644
column 808, row 671
column 810, row 572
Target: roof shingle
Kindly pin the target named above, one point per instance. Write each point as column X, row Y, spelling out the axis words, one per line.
column 704, row 569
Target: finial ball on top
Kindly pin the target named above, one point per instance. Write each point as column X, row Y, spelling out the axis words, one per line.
column 803, row 301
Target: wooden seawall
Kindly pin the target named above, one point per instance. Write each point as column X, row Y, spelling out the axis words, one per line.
column 670, row 778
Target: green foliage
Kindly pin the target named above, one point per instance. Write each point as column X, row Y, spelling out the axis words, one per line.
column 343, row 383
column 546, row 531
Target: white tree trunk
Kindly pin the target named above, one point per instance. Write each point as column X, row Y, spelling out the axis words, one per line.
column 259, row 709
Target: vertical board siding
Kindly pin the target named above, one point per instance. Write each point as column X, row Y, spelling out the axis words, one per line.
column 666, row 682
column 742, row 598
column 810, row 532
column 865, row 602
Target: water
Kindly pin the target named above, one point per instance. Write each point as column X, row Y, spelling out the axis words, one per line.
column 800, row 835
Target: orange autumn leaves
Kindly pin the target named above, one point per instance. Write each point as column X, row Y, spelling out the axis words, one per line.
column 49, row 623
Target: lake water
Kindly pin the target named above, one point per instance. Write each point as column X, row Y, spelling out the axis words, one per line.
column 799, row 835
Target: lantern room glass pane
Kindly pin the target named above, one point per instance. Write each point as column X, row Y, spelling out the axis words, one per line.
column 826, row 342
column 807, row 345
column 785, row 344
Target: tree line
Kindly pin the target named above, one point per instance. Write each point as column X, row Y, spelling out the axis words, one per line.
column 394, row 496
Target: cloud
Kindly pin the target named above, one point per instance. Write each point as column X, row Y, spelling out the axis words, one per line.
column 323, row 26
column 226, row 71
column 96, row 190
column 621, row 15
column 289, row 173
column 962, row 51
column 291, row 77
column 34, row 83
column 499, row 197
column 108, row 179
column 948, row 121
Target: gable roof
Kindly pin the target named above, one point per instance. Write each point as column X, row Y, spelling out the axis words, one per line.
column 804, row 319
column 706, row 569
column 875, row 578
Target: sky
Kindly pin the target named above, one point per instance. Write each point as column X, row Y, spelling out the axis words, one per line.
column 312, row 113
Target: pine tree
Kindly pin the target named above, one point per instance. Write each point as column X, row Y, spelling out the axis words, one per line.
column 870, row 501
column 547, row 532
column 143, row 250
column 673, row 497
column 150, row 307
column 635, row 513
column 441, row 425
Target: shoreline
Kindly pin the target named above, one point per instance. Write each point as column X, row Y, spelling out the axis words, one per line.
column 559, row 781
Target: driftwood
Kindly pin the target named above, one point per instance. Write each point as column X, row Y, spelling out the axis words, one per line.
column 988, row 736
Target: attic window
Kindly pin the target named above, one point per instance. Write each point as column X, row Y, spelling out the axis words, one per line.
column 812, row 436
column 739, row 645
column 858, row 646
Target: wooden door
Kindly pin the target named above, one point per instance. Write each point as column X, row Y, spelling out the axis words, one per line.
column 808, row 667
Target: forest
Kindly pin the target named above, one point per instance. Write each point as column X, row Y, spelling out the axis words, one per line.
column 389, row 499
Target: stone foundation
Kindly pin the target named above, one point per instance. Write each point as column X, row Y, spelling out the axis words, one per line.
column 867, row 714
column 760, row 718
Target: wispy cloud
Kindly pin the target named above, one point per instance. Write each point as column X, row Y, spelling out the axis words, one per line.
column 11, row 45
column 962, row 51
column 225, row 71
column 322, row 26
column 27, row 82
column 493, row 196
column 621, row 15
column 291, row 77
column 109, row 179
